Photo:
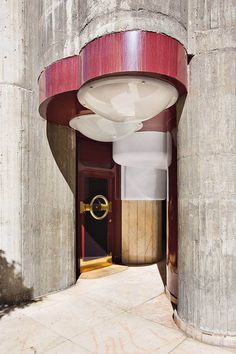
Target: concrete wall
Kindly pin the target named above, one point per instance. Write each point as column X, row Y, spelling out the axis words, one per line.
column 37, row 203
column 206, row 177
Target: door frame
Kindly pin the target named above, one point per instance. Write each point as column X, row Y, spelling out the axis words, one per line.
column 115, row 235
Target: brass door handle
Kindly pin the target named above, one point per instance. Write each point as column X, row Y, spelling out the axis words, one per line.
column 102, row 205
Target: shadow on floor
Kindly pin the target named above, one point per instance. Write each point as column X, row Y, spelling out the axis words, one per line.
column 13, row 293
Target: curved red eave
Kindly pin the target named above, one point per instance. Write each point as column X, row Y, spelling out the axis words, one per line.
column 58, row 85
column 131, row 52
column 136, row 52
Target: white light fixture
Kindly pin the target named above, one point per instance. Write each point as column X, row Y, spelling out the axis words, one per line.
column 146, row 149
column 101, row 129
column 127, row 98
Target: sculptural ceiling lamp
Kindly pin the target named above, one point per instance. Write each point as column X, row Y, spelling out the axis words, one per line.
column 127, row 98
column 123, row 78
column 101, row 129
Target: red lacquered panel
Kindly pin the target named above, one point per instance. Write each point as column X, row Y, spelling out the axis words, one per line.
column 87, row 156
column 159, row 123
column 59, row 77
column 132, row 52
column 136, row 52
column 60, row 109
column 172, row 219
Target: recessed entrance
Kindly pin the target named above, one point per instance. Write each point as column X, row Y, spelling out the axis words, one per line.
column 98, row 206
column 96, row 221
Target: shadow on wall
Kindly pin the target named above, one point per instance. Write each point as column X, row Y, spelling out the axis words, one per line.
column 62, row 142
column 13, row 293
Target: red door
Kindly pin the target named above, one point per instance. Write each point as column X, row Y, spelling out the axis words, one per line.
column 96, row 231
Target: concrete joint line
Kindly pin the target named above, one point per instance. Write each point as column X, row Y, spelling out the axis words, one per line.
column 15, row 85
column 226, row 49
column 134, row 11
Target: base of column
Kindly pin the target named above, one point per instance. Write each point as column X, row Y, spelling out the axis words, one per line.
column 171, row 297
column 214, row 339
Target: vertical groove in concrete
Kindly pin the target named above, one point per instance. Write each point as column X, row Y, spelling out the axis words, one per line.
column 206, row 176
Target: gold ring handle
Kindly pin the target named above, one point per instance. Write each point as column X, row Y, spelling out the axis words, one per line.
column 103, row 207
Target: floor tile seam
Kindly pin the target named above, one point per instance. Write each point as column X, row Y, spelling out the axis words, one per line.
column 67, row 340
column 111, row 319
column 142, row 303
column 89, row 293
column 118, row 306
column 102, row 303
column 160, row 324
column 109, row 287
column 79, row 345
column 97, row 324
column 55, row 346
column 102, row 300
column 39, row 310
column 143, row 319
column 48, row 328
column 152, row 298
column 69, row 301
column 177, row 345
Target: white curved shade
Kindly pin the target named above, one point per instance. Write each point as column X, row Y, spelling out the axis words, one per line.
column 101, row 129
column 146, row 149
column 127, row 98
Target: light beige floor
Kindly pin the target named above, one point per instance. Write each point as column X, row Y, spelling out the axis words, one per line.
column 126, row 312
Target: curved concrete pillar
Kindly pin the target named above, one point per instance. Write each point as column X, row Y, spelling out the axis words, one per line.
column 65, row 27
column 58, row 30
column 207, row 186
column 98, row 18
column 37, row 203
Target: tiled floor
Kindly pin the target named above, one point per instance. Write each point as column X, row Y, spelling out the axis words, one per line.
column 126, row 312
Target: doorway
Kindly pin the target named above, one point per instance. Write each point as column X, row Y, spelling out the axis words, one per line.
column 98, row 215
column 95, row 220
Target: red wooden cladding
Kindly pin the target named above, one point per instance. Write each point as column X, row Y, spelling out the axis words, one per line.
column 136, row 52
column 61, row 108
column 59, row 77
column 172, row 219
column 159, row 123
column 131, row 52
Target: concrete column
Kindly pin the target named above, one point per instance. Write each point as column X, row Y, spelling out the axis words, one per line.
column 15, row 100
column 97, row 18
column 65, row 27
column 37, row 170
column 206, row 179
